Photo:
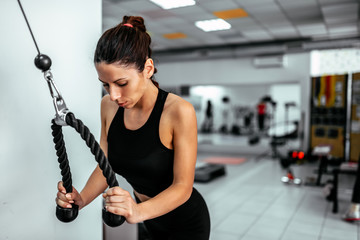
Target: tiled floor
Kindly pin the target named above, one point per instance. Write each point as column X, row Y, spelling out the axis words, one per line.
column 251, row 203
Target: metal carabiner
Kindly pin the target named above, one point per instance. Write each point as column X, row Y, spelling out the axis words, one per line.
column 60, row 107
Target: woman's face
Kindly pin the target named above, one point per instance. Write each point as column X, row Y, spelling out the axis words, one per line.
column 125, row 84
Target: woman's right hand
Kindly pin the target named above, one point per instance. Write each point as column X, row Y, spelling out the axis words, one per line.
column 65, row 200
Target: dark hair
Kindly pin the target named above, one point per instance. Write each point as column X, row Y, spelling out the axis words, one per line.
column 127, row 43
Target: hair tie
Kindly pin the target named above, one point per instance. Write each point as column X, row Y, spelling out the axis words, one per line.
column 128, row 25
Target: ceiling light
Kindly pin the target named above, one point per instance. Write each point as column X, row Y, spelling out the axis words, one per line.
column 166, row 4
column 213, row 25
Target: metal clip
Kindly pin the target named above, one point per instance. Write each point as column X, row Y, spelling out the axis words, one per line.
column 60, row 107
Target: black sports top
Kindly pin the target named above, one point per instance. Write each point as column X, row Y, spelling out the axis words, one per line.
column 138, row 155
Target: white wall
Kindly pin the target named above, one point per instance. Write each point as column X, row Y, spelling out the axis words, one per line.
column 285, row 93
column 335, row 61
column 237, row 72
column 232, row 71
column 67, row 31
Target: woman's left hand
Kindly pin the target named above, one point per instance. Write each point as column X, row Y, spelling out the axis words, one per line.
column 120, row 202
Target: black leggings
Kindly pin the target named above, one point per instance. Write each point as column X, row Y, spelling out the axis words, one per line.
column 190, row 221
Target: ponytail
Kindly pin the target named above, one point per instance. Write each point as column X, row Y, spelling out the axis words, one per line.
column 127, row 43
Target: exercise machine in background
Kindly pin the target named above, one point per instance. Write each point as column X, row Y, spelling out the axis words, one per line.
column 353, row 212
column 280, row 134
column 294, row 157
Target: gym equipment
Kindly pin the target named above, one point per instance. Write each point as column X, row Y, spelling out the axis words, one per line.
column 282, row 130
column 209, row 172
column 293, row 157
column 64, row 117
column 322, row 152
column 349, row 168
column 254, row 139
column 355, row 118
column 290, row 178
column 328, row 190
column 271, row 111
column 224, row 128
column 330, row 112
column 279, row 134
column 243, row 121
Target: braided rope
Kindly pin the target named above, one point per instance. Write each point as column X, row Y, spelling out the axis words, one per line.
column 94, row 147
column 90, row 142
column 62, row 156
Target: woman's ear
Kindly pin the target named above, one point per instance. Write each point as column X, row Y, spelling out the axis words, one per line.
column 149, row 68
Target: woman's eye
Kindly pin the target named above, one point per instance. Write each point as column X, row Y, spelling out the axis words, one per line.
column 105, row 85
column 121, row 85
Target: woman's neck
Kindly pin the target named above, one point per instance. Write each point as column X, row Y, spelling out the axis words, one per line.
column 147, row 101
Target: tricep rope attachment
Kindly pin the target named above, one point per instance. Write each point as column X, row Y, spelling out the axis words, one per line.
column 64, row 117
column 69, row 214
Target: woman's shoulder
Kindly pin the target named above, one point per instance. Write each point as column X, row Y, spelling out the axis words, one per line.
column 176, row 106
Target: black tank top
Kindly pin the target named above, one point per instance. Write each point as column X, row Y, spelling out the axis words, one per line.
column 138, row 155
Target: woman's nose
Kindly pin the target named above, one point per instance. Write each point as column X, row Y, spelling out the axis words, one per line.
column 114, row 93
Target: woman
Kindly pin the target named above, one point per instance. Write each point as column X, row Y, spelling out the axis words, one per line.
column 149, row 137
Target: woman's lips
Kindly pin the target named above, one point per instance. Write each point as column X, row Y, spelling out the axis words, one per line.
column 122, row 104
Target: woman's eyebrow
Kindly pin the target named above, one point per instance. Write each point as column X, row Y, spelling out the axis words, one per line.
column 113, row 81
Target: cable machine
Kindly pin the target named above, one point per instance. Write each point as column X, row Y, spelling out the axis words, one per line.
column 63, row 117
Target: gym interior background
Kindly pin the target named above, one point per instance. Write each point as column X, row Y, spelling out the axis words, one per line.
column 300, row 59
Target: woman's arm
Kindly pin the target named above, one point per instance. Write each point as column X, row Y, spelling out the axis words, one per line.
column 184, row 127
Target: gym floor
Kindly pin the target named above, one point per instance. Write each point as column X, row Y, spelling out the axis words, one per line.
column 251, row 203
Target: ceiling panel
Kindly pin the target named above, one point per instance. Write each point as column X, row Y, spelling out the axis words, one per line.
column 308, row 30
column 343, row 28
column 297, row 3
column 236, row 40
column 136, row 5
column 264, row 9
column 158, row 14
column 193, row 13
column 340, row 8
column 214, row 6
column 255, row 2
column 284, row 33
column 329, row 2
column 186, row 11
column 259, row 35
column 243, row 24
column 267, row 21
